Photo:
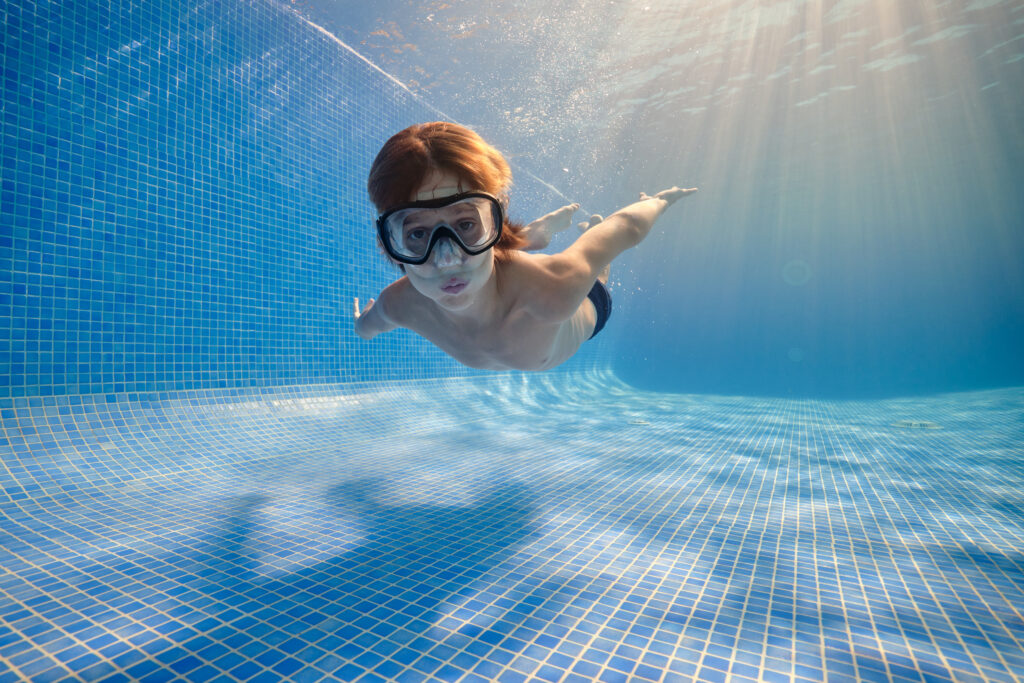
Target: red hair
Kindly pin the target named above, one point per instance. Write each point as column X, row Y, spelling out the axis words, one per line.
column 409, row 156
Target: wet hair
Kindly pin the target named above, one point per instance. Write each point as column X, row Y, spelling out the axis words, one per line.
column 408, row 157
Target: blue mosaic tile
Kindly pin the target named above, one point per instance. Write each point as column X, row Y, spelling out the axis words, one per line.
column 179, row 191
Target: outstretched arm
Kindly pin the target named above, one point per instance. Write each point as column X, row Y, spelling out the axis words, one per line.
column 371, row 321
column 625, row 228
column 571, row 273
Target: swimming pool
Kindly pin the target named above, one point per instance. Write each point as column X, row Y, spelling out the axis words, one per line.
column 207, row 476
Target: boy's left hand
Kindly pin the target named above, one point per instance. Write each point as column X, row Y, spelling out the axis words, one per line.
column 669, row 196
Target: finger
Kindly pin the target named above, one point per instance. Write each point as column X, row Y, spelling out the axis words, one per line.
column 355, row 307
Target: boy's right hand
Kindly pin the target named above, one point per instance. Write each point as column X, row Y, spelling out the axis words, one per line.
column 370, row 321
column 355, row 308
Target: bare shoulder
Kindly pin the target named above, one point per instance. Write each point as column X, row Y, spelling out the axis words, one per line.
column 541, row 271
column 397, row 301
column 550, row 286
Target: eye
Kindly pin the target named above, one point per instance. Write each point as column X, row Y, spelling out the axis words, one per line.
column 467, row 225
column 415, row 234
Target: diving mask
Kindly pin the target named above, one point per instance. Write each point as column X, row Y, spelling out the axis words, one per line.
column 472, row 220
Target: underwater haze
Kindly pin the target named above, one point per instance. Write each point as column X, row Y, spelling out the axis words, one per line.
column 205, row 475
column 859, row 229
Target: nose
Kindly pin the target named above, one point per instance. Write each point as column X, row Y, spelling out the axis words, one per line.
column 446, row 254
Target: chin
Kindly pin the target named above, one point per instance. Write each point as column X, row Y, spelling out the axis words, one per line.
column 448, row 304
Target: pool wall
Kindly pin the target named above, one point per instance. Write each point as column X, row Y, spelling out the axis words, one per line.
column 184, row 203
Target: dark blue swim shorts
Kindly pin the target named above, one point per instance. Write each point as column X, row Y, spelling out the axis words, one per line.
column 602, row 302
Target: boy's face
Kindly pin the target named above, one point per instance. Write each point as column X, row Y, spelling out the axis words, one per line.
column 450, row 277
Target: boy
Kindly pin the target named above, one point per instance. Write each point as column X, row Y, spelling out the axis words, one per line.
column 470, row 287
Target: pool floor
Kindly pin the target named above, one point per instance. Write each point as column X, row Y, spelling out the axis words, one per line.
column 561, row 528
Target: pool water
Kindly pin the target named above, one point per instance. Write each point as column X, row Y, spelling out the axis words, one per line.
column 207, row 476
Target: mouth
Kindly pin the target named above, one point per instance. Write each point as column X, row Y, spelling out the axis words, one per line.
column 454, row 286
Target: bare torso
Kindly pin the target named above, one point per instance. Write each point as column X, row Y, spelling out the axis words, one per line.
column 513, row 334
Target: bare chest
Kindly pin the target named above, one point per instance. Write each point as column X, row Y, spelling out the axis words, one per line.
column 518, row 342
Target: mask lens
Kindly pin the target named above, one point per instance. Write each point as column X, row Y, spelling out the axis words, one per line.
column 473, row 222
